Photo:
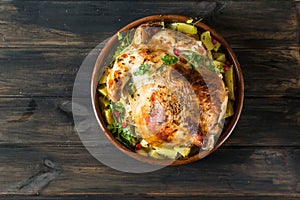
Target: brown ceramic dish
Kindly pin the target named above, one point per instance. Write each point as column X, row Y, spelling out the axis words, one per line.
column 109, row 49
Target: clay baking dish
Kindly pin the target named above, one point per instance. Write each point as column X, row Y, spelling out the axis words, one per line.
column 109, row 49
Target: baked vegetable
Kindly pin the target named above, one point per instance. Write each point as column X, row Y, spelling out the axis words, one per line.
column 229, row 80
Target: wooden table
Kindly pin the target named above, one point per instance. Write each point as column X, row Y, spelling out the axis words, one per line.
column 43, row 44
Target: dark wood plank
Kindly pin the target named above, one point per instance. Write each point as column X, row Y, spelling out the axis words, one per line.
column 34, row 121
column 16, row 32
column 258, row 24
column 41, row 157
column 270, row 73
column 64, row 23
column 39, row 72
column 22, row 67
column 155, row 197
column 266, row 24
column 47, row 121
column 298, row 9
column 268, row 122
column 250, row 172
column 52, row 72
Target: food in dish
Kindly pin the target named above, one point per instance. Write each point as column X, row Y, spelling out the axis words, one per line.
column 165, row 94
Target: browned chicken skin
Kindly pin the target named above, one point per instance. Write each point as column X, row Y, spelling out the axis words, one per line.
column 175, row 105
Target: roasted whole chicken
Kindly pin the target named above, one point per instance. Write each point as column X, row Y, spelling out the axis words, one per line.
column 169, row 99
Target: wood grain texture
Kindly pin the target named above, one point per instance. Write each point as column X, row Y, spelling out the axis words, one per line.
column 53, row 72
column 130, row 196
column 259, row 171
column 259, row 25
column 44, row 121
column 242, row 23
column 35, row 121
column 39, row 72
column 42, row 45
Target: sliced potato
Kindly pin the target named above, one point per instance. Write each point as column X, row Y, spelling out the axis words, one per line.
column 210, row 54
column 142, row 152
column 206, row 39
column 229, row 81
column 229, row 110
column 102, row 90
column 104, row 76
column 153, row 153
column 104, row 102
column 184, row 151
column 184, row 28
column 144, row 143
column 220, row 57
column 218, row 64
column 173, row 26
column 166, row 152
column 217, row 46
column 108, row 116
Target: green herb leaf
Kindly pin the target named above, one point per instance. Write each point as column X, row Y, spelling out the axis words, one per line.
column 143, row 68
column 189, row 21
column 113, row 127
column 120, row 37
column 219, row 69
column 169, row 60
column 124, row 135
column 198, row 60
column 132, row 89
column 119, row 108
column 125, row 41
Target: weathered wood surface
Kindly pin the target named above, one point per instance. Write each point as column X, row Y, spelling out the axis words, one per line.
column 53, row 124
column 42, row 45
column 271, row 24
column 257, row 172
column 52, row 72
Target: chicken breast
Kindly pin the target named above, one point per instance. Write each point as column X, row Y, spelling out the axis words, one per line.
column 170, row 105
